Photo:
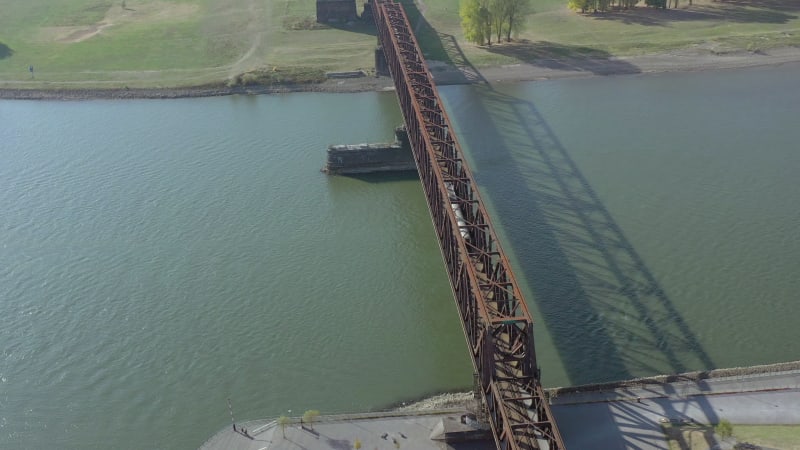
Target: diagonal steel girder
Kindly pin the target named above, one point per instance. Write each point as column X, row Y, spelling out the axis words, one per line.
column 494, row 316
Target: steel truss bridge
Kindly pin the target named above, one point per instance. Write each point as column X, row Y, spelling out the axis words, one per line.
column 494, row 316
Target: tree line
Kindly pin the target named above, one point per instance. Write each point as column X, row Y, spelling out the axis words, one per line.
column 604, row 5
column 484, row 20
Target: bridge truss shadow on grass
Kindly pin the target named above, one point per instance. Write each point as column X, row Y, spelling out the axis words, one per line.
column 5, row 51
column 555, row 56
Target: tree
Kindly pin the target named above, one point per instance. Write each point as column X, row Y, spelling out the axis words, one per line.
column 498, row 17
column 724, row 428
column 283, row 421
column 476, row 21
column 483, row 19
column 514, row 12
column 309, row 416
column 579, row 5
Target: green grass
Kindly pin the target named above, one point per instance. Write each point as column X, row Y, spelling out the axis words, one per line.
column 193, row 42
column 555, row 31
column 784, row 437
column 164, row 43
column 702, row 437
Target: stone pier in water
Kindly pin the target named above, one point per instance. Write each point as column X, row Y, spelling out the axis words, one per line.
column 369, row 158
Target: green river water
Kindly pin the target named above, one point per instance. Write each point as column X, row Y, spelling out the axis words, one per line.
column 159, row 257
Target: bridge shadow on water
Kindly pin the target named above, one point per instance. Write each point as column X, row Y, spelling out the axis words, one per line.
column 607, row 314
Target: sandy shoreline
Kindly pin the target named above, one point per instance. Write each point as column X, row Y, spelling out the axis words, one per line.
column 545, row 69
column 690, row 60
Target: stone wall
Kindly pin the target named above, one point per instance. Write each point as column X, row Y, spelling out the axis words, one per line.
column 369, row 158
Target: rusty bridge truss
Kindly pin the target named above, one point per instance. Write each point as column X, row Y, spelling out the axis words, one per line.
column 495, row 319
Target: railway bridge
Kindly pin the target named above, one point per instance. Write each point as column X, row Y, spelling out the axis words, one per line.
column 494, row 316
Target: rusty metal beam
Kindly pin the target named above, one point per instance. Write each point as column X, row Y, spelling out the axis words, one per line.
column 494, row 316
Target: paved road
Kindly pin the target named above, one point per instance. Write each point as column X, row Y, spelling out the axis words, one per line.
column 410, row 432
column 627, row 418
column 630, row 418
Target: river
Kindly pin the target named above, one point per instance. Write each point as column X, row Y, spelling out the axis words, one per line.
column 160, row 257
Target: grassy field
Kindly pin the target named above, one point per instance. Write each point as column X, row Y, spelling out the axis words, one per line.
column 153, row 43
column 554, row 31
column 165, row 43
column 699, row 437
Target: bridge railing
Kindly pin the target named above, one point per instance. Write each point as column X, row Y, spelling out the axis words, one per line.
column 494, row 316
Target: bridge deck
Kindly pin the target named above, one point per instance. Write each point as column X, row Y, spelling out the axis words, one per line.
column 494, row 316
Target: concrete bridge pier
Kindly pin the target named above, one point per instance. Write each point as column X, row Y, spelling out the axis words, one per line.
column 381, row 66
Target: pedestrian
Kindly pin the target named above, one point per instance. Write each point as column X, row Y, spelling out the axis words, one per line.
column 234, row 428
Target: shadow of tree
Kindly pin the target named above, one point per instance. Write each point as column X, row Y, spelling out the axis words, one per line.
column 338, row 444
column 556, row 56
column 777, row 5
column 358, row 26
column 763, row 11
column 5, row 51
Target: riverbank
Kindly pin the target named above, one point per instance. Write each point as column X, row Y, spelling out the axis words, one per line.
column 628, row 414
column 349, row 85
column 734, row 380
column 445, row 74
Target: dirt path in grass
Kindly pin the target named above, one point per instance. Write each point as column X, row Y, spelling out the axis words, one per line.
column 243, row 64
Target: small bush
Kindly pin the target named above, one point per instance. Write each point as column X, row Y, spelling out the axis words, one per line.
column 724, row 429
column 304, row 23
column 267, row 76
